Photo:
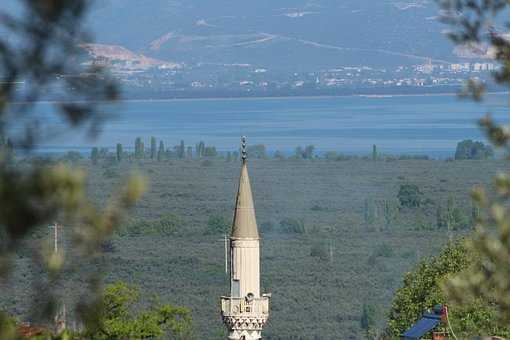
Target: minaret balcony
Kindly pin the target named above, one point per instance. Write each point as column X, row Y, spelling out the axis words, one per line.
column 239, row 313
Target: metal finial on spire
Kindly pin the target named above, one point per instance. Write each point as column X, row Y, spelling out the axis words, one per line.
column 244, row 153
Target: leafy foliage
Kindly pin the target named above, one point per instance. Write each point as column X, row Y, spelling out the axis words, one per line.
column 473, row 24
column 94, row 155
column 409, row 195
column 468, row 149
column 166, row 225
column 293, row 226
column 119, row 152
column 367, row 318
column 120, row 321
column 421, row 290
column 257, row 151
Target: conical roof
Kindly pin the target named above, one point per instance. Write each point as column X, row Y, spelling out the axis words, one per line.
column 245, row 223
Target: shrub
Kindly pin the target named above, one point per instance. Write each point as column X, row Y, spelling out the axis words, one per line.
column 292, row 225
column 390, row 211
column 320, row 250
column 119, row 152
column 452, row 218
column 94, row 155
column 421, row 290
column 124, row 318
column 166, row 225
column 367, row 318
column 318, row 207
column 108, row 246
column 469, row 149
column 409, row 195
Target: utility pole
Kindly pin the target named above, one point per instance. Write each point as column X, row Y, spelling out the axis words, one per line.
column 60, row 316
column 225, row 241
column 331, row 250
column 226, row 254
column 55, row 236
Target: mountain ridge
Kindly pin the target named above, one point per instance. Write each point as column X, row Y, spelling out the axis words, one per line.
column 277, row 36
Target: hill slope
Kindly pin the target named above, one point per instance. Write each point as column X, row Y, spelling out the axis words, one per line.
column 298, row 34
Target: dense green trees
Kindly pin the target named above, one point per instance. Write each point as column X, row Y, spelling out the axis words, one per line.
column 409, row 195
column 119, row 152
column 468, row 149
column 94, row 155
column 161, row 151
column 473, row 24
column 153, row 147
column 200, row 149
column 122, row 318
column 139, row 148
column 6, row 149
column 257, row 151
column 421, row 290
column 306, row 153
column 293, row 226
column 180, row 150
column 367, row 319
column 210, row 151
column 452, row 217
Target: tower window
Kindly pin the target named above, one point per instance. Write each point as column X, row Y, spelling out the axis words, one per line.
column 236, row 291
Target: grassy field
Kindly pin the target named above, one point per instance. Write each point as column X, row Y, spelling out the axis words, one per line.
column 321, row 270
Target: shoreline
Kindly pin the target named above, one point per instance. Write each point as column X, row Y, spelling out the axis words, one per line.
column 370, row 96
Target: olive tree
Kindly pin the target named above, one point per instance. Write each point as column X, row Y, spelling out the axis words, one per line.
column 475, row 24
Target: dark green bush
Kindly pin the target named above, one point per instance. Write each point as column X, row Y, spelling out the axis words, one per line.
column 469, row 149
column 409, row 195
column 320, row 250
column 166, row 225
column 292, row 225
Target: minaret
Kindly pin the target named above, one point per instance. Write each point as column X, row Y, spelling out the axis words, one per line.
column 245, row 311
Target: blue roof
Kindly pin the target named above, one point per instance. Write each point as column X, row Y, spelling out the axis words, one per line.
column 423, row 326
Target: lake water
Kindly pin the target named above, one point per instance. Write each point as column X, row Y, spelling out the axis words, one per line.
column 397, row 124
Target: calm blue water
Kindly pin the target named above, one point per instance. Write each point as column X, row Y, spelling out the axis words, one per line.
column 400, row 124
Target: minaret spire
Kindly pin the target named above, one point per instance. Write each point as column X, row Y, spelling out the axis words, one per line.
column 245, row 311
column 245, row 223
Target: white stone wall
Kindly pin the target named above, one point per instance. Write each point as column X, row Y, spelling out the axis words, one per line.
column 245, row 257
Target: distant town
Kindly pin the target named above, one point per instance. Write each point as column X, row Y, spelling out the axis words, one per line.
column 145, row 77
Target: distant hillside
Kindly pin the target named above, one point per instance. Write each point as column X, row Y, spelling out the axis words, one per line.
column 118, row 55
column 297, row 34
